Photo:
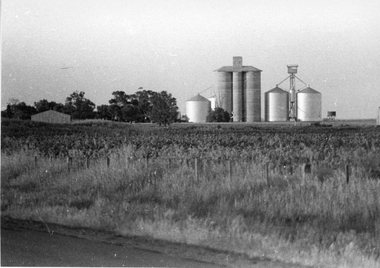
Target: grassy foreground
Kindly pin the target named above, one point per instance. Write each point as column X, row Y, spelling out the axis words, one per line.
column 291, row 219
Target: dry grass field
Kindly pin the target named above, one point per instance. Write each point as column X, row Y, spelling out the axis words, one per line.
column 241, row 189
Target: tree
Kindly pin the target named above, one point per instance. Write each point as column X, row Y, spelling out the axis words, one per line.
column 119, row 98
column 218, row 115
column 9, row 112
column 44, row 105
column 115, row 112
column 79, row 107
column 104, row 112
column 129, row 112
column 164, row 108
column 124, row 106
column 144, row 104
column 19, row 110
column 13, row 101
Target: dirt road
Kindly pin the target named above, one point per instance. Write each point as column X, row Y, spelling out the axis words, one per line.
column 30, row 243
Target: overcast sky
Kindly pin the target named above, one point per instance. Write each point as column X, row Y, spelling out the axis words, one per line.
column 51, row 48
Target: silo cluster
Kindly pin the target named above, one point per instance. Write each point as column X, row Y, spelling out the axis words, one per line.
column 308, row 103
column 304, row 105
column 239, row 91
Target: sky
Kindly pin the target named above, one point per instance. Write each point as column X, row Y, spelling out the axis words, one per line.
column 52, row 48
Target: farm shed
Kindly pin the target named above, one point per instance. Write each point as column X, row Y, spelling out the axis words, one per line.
column 52, row 117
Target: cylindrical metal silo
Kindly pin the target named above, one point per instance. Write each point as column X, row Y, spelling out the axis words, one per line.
column 276, row 105
column 197, row 109
column 224, row 91
column 257, row 97
column 213, row 102
column 309, row 105
column 237, row 96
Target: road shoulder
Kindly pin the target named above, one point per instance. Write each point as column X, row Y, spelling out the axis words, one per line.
column 188, row 252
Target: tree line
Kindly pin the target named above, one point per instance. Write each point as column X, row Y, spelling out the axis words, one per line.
column 142, row 106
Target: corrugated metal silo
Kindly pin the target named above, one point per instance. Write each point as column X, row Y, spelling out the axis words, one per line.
column 224, row 90
column 276, row 105
column 197, row 109
column 237, row 96
column 378, row 117
column 309, row 105
column 212, row 99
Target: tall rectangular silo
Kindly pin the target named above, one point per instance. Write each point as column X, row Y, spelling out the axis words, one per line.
column 250, row 110
column 244, row 98
column 224, row 91
column 237, row 96
column 257, row 96
column 239, row 92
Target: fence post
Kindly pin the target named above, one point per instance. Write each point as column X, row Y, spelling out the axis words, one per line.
column 347, row 173
column 68, row 163
column 147, row 161
column 267, row 172
column 108, row 161
column 196, row 168
column 87, row 162
column 306, row 169
column 35, row 160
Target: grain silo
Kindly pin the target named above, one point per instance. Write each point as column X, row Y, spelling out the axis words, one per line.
column 212, row 99
column 306, row 105
column 309, row 105
column 276, row 105
column 237, row 96
column 239, row 91
column 197, row 109
column 224, row 90
column 253, row 96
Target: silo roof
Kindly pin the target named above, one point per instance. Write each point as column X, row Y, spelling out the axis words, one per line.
column 199, row 98
column 276, row 90
column 309, row 90
column 238, row 69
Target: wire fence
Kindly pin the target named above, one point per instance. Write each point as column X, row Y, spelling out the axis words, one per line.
column 202, row 167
